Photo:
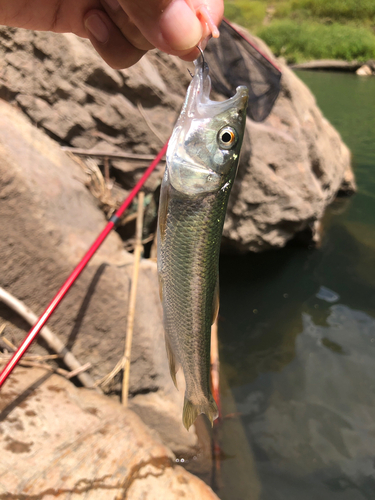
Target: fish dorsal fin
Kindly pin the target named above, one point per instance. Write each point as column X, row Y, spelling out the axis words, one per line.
column 216, row 302
column 173, row 363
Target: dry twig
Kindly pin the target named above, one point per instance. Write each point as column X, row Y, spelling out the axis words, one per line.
column 98, row 186
column 28, row 361
column 31, row 357
column 124, row 362
column 51, row 339
column 103, row 154
column 105, row 381
column 5, row 340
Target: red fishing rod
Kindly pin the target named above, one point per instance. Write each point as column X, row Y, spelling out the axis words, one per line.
column 77, row 271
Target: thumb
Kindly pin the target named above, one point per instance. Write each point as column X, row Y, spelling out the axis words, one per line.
column 170, row 25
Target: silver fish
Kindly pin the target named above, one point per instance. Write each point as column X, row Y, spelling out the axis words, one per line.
column 202, row 159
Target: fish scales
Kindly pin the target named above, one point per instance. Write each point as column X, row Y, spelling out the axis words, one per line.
column 191, row 260
column 194, row 196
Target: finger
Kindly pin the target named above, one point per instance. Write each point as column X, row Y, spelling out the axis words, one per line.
column 170, row 25
column 125, row 25
column 190, row 56
column 109, row 42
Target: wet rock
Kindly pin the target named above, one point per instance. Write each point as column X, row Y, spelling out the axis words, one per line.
column 329, row 65
column 364, row 70
column 95, row 449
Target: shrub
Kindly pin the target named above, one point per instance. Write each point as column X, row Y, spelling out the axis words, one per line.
column 246, row 13
column 310, row 40
column 339, row 10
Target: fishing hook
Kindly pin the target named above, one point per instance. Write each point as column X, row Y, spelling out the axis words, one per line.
column 203, row 59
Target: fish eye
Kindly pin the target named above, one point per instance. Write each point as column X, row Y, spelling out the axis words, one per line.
column 227, row 138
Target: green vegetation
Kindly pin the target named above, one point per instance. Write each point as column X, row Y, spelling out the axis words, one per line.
column 302, row 30
column 309, row 40
column 338, row 10
column 246, row 13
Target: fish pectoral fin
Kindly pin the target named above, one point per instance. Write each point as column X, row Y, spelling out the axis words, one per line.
column 160, row 287
column 163, row 207
column 216, row 302
column 191, row 411
column 173, row 364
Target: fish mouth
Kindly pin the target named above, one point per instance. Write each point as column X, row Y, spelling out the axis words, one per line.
column 198, row 99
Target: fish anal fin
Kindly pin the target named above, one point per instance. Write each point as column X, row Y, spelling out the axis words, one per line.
column 173, row 364
column 216, row 302
column 191, row 411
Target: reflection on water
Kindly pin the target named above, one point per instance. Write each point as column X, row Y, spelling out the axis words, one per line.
column 297, row 334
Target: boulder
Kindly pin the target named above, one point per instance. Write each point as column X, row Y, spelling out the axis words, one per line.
column 364, row 70
column 64, row 87
column 292, row 165
column 48, row 221
column 61, row 441
column 328, row 65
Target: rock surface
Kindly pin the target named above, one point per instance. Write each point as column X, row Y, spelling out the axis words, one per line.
column 364, row 70
column 329, row 65
column 58, row 441
column 334, row 65
column 292, row 165
column 48, row 221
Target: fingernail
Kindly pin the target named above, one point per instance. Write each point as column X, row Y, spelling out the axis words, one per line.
column 180, row 26
column 97, row 28
column 204, row 42
column 113, row 4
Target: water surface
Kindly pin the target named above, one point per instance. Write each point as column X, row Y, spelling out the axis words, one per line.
column 297, row 340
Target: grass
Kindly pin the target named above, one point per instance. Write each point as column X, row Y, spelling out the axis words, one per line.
column 311, row 40
column 246, row 13
column 338, row 10
column 302, row 30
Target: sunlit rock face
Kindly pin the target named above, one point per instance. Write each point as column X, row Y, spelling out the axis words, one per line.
column 292, row 165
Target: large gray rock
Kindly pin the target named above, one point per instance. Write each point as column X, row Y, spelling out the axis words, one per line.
column 48, row 221
column 292, row 165
column 58, row 441
column 62, row 84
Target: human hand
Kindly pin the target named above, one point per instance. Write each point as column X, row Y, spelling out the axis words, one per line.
column 122, row 30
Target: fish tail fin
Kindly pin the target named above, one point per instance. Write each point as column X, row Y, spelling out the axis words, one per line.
column 191, row 411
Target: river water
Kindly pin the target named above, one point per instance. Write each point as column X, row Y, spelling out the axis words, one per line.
column 297, row 340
